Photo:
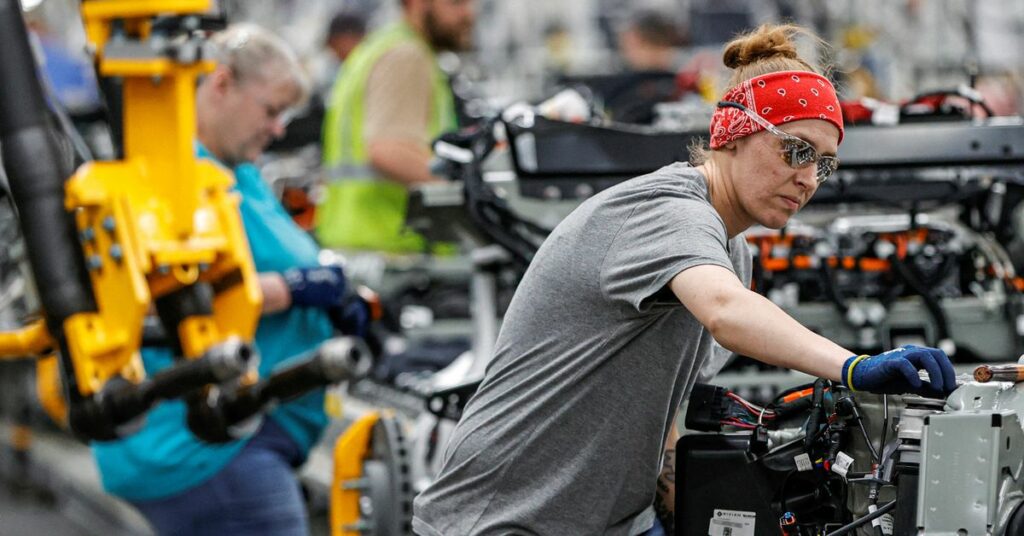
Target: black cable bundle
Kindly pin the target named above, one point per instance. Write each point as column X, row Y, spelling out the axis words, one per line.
column 492, row 214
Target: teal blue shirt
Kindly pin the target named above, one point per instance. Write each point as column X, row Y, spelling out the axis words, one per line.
column 164, row 458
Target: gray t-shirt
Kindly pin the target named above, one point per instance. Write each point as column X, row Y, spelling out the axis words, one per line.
column 566, row 432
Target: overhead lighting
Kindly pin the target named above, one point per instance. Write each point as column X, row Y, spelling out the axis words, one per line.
column 29, row 5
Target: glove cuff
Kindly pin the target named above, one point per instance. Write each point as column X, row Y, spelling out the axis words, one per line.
column 292, row 277
column 847, row 377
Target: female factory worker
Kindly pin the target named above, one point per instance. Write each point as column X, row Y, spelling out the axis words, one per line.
column 184, row 486
column 615, row 317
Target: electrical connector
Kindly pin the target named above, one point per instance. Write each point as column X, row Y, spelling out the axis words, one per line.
column 708, row 406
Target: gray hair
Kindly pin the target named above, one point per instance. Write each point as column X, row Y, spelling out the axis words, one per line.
column 252, row 52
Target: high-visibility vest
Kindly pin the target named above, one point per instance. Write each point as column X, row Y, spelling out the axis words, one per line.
column 361, row 209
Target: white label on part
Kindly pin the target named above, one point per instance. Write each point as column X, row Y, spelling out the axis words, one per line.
column 883, row 521
column 732, row 523
column 842, row 464
column 803, row 462
column 886, row 115
column 886, row 522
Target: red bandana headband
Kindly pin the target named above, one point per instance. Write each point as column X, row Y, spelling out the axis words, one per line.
column 779, row 98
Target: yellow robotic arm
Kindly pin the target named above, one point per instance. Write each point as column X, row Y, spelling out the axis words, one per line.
column 158, row 227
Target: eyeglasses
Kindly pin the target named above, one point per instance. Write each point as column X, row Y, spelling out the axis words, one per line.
column 798, row 153
column 276, row 113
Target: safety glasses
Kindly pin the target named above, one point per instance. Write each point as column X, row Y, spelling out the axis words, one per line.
column 796, row 152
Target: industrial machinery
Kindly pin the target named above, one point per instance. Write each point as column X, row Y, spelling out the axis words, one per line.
column 930, row 255
column 878, row 281
column 914, row 240
column 158, row 230
column 927, row 258
column 821, row 460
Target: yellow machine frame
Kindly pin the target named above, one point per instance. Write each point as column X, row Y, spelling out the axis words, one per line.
column 156, row 221
column 350, row 450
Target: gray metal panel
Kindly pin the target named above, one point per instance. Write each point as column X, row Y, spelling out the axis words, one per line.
column 962, row 471
column 974, row 323
column 933, row 144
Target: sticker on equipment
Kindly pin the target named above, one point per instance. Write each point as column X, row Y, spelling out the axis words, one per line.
column 883, row 522
column 842, row 464
column 732, row 523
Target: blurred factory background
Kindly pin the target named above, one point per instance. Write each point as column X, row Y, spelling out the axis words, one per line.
column 889, row 50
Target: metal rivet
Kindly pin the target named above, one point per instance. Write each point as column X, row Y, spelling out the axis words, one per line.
column 116, row 252
column 108, row 224
column 94, row 262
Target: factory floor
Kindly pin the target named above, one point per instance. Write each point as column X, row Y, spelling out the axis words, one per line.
column 54, row 489
column 27, row 511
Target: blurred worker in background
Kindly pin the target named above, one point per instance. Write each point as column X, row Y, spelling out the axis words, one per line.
column 386, row 107
column 184, row 486
column 650, row 41
column 615, row 318
column 67, row 70
column 344, row 32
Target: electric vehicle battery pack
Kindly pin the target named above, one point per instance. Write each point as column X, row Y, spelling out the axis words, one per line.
column 723, row 490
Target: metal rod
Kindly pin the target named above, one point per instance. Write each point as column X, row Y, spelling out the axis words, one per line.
column 870, row 517
column 999, row 373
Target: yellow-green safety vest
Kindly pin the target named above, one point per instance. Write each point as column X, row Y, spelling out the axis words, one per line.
column 361, row 209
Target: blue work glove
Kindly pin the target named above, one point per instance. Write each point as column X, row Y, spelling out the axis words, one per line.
column 356, row 316
column 895, row 372
column 321, row 286
column 351, row 317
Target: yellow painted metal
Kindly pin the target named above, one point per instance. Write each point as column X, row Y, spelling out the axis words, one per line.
column 113, row 9
column 160, row 126
column 50, row 390
column 349, row 452
column 28, row 341
column 147, row 67
column 160, row 219
column 155, row 222
column 197, row 333
column 150, row 224
column 98, row 15
column 334, row 405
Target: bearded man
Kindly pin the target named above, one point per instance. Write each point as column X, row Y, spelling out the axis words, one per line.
column 389, row 103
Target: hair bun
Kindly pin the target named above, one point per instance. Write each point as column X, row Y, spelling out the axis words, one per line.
column 767, row 41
